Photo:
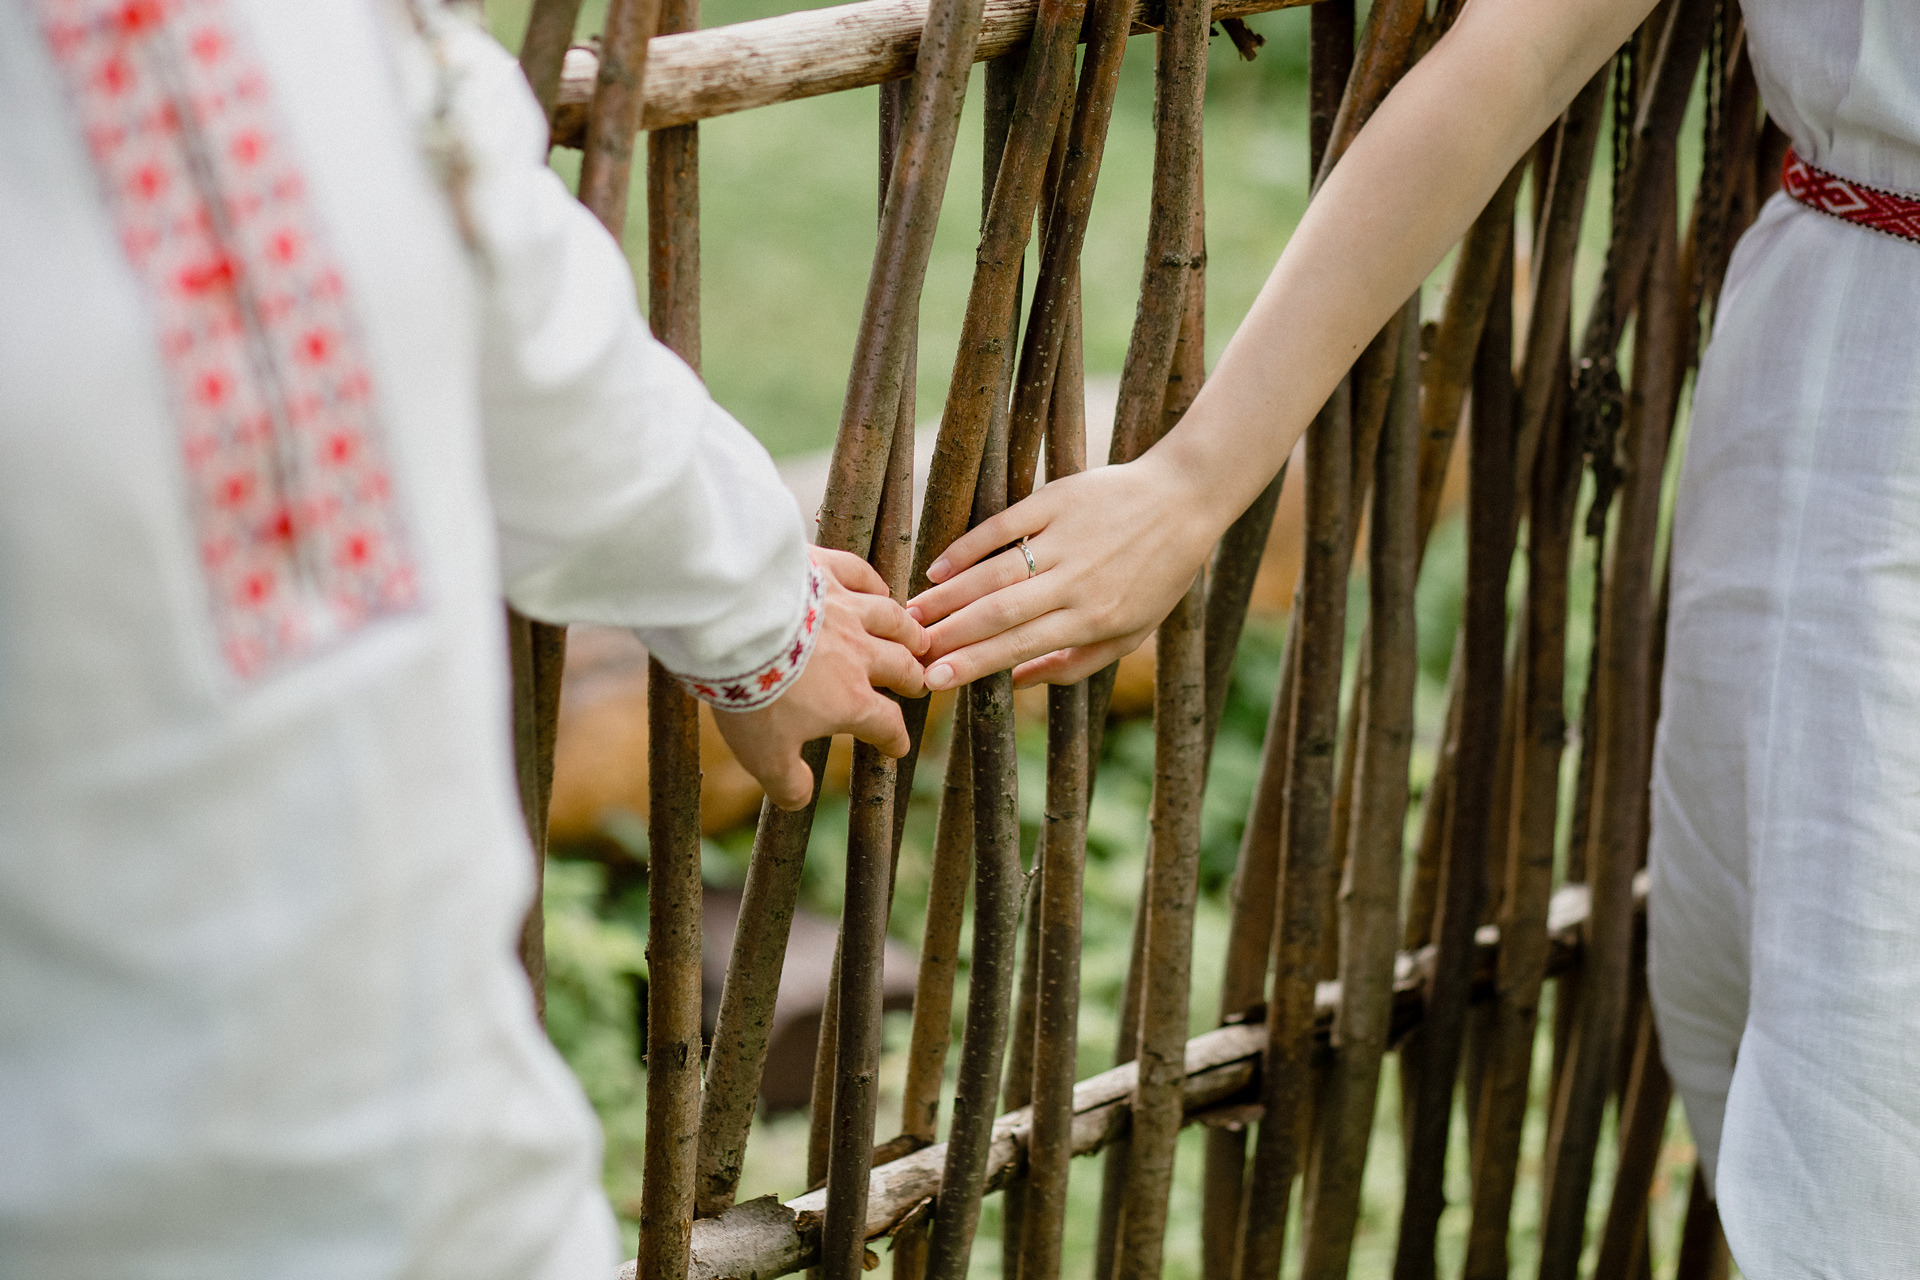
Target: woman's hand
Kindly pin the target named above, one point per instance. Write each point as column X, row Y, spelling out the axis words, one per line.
column 1113, row 551
column 865, row 640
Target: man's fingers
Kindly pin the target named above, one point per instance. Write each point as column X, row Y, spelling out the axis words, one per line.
column 789, row 784
column 881, row 725
column 890, row 666
column 1022, row 519
column 1007, row 569
column 850, row 571
column 886, row 620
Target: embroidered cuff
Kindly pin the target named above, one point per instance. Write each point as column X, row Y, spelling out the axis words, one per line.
column 753, row 689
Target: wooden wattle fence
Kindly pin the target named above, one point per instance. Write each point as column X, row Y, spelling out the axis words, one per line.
column 1329, row 965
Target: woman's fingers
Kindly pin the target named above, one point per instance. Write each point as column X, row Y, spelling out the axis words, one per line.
column 1003, row 650
column 883, row 618
column 1007, row 569
column 993, row 613
column 1021, row 520
column 1071, row 666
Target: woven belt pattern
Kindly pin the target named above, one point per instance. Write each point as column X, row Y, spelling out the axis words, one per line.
column 1884, row 211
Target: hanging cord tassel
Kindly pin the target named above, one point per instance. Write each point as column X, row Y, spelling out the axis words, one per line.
column 1712, row 225
column 1599, row 400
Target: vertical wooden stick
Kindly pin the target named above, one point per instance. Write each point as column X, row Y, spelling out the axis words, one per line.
column 1180, row 81
column 871, row 850
column 983, row 363
column 1018, row 1089
column 1370, row 925
column 1169, row 900
column 939, row 962
column 673, row 753
column 889, row 321
column 1299, row 921
column 856, row 1047
column 1643, row 1127
column 1057, row 284
column 1626, row 743
column 1063, row 849
column 1171, row 343
column 543, row 49
column 997, row 883
column 1535, row 777
column 1470, row 796
column 1703, row 1247
column 537, row 655
column 673, row 977
column 1179, row 89
column 613, row 117
column 1555, row 244
column 747, row 999
column 1254, row 918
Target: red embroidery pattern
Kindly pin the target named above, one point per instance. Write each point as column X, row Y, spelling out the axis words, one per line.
column 756, row 688
column 285, row 461
column 1883, row 211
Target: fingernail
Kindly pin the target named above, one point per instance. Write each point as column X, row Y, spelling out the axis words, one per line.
column 913, row 611
column 938, row 570
column 940, row 677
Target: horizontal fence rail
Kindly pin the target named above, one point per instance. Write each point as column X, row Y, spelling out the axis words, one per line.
column 765, row 1238
column 696, row 75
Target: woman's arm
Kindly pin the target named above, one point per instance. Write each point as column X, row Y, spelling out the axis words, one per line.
column 1116, row 547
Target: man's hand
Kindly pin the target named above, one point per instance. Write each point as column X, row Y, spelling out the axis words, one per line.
column 866, row 639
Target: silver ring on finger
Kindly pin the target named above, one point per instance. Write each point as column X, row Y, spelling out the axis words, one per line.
column 1031, row 567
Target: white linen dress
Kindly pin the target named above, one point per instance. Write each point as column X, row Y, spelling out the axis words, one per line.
column 273, row 442
column 1785, row 909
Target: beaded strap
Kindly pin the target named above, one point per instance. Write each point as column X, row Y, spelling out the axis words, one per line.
column 1884, row 211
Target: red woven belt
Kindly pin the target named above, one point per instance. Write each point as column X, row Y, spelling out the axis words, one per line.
column 1829, row 193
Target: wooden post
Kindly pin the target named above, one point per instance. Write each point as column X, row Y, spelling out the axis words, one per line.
column 673, row 751
column 1625, row 739
column 543, row 49
column 1482, row 663
column 1370, row 924
column 939, row 962
column 983, row 363
column 1171, row 306
column 537, row 650
column 1254, row 917
column 1312, row 723
column 1535, row 778
column 1063, row 850
column 996, row 896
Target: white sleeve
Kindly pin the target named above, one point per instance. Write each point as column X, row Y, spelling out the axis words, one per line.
column 624, row 495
